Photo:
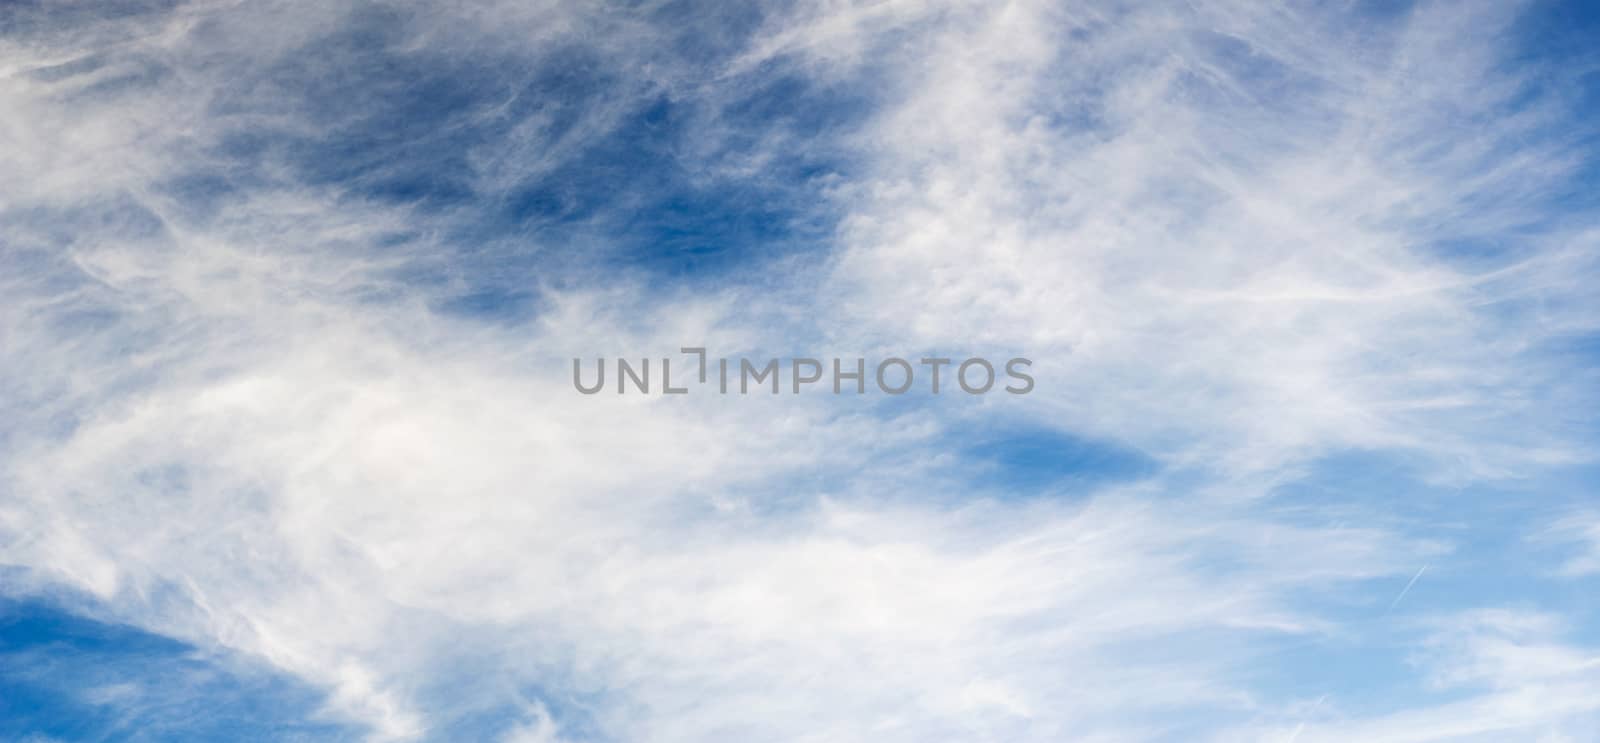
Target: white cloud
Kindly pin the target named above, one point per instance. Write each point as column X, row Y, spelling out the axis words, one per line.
column 1222, row 228
column 1579, row 535
column 1230, row 272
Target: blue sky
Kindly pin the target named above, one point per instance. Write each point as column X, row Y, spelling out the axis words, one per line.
column 289, row 448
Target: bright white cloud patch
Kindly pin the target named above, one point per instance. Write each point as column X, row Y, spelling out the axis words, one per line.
column 291, row 292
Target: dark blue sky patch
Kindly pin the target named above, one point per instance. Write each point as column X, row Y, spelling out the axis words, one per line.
column 492, row 303
column 1557, row 38
column 1559, row 31
column 1027, row 459
column 368, row 113
column 668, row 200
column 78, row 679
column 559, row 150
column 32, row 18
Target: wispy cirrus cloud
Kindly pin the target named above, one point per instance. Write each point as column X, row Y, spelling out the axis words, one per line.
column 1244, row 235
column 291, row 290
